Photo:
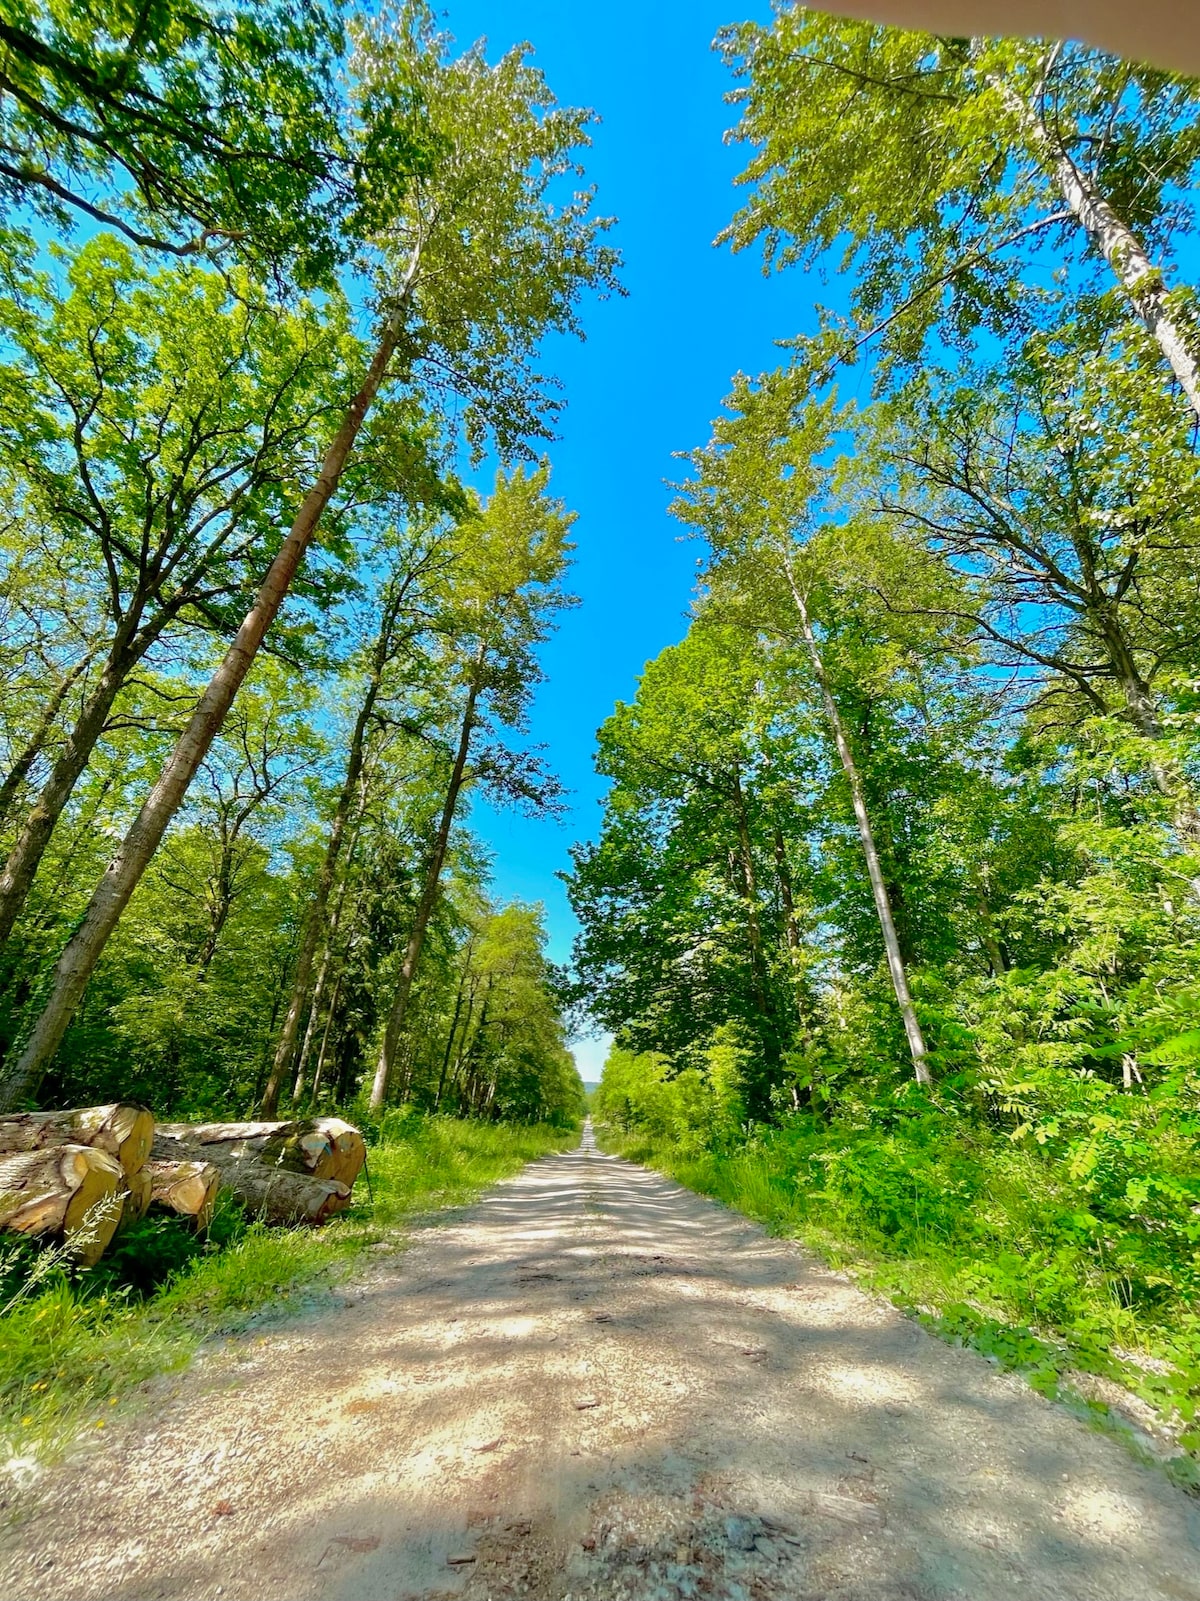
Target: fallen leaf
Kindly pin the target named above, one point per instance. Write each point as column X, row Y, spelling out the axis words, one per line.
column 223, row 1509
column 488, row 1445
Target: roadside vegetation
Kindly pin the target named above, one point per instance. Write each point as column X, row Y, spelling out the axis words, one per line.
column 75, row 1344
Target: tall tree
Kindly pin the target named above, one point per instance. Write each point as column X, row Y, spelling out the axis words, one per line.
column 892, row 141
column 402, row 614
column 506, row 590
column 1064, row 489
column 162, row 497
column 753, row 499
column 201, row 125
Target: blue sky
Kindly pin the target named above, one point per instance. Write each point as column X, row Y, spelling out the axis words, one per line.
column 648, row 380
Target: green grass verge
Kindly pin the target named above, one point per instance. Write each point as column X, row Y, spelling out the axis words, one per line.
column 988, row 1248
column 78, row 1345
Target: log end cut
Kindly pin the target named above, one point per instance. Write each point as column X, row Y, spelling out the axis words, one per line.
column 186, row 1188
column 69, row 1190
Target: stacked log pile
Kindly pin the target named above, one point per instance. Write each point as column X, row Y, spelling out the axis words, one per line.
column 77, row 1174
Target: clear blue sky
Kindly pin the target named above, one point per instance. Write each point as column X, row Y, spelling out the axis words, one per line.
column 648, row 380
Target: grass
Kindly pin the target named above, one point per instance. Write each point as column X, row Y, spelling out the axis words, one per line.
column 80, row 1343
column 989, row 1247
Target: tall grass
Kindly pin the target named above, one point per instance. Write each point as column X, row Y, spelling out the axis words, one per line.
column 83, row 1341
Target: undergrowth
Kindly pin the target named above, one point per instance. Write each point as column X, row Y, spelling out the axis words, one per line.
column 74, row 1343
column 983, row 1240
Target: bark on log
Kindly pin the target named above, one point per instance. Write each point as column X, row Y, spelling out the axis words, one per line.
column 323, row 1147
column 268, row 1189
column 188, row 1188
column 123, row 1131
column 69, row 1190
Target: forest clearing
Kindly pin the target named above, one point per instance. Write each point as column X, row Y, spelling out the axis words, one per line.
column 781, row 711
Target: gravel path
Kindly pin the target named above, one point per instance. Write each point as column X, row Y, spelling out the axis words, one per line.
column 596, row 1385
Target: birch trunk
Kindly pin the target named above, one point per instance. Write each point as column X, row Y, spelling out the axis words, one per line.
column 883, row 909
column 22, row 1079
column 1125, row 253
column 429, row 891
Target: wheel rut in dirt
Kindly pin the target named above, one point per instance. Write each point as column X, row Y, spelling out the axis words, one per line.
column 594, row 1384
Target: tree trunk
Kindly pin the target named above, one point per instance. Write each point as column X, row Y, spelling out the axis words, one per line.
column 281, row 1172
column 449, row 1051
column 19, row 771
column 69, row 1190
column 314, row 1013
column 328, row 963
column 322, row 1053
column 26, row 855
column 273, row 1193
column 322, row 1147
column 286, row 1049
column 22, row 1079
column 1119, row 245
column 883, row 910
column 429, row 891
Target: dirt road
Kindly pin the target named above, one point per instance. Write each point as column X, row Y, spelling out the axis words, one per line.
column 596, row 1385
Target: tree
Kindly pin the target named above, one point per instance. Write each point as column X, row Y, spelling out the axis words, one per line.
column 938, row 158
column 203, row 126
column 513, row 1064
column 473, row 267
column 505, row 593
column 688, row 743
column 752, row 497
column 421, row 556
column 1064, row 489
column 160, row 497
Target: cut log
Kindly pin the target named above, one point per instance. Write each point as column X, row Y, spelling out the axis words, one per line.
column 277, row 1196
column 269, row 1189
column 137, row 1195
column 70, row 1190
column 188, row 1188
column 123, row 1131
column 325, row 1147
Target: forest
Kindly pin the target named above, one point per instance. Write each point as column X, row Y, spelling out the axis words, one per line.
column 279, row 743
column 895, row 910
